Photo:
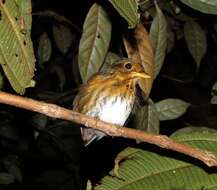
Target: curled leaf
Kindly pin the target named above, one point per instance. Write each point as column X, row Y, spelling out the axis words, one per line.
column 142, row 53
column 158, row 37
column 195, row 38
column 118, row 159
column 94, row 42
column 171, row 108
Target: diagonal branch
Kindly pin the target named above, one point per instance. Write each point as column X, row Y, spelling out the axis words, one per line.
column 55, row 111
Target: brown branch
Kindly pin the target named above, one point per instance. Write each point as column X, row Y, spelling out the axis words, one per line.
column 55, row 111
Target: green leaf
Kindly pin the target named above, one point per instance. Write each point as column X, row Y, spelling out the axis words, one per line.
column 205, row 6
column 193, row 129
column 63, row 37
column 146, row 118
column 128, row 9
column 171, row 108
column 142, row 169
column 158, row 37
column 44, row 49
column 16, row 51
column 25, row 8
column 195, row 38
column 94, row 42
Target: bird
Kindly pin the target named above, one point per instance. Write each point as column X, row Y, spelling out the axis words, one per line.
column 109, row 96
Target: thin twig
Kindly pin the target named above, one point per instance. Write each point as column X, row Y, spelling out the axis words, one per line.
column 55, row 111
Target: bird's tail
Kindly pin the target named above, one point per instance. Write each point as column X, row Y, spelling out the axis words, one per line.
column 89, row 135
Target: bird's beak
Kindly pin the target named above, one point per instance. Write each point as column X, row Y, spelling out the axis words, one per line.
column 140, row 75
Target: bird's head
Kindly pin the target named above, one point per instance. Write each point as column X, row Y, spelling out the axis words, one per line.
column 127, row 70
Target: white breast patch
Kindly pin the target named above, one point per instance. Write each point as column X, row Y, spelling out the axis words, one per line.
column 112, row 110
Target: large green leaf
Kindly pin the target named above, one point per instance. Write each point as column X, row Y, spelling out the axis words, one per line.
column 171, row 108
column 205, row 6
column 128, row 9
column 141, row 169
column 158, row 37
column 16, row 51
column 195, row 38
column 94, row 42
column 146, row 118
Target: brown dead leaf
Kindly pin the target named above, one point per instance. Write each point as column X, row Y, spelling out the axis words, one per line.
column 142, row 52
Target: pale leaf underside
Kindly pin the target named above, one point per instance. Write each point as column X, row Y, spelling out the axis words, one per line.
column 16, row 51
column 158, row 37
column 94, row 42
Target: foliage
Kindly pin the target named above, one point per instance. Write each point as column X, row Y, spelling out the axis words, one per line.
column 94, row 41
column 175, row 41
column 140, row 168
column 16, row 56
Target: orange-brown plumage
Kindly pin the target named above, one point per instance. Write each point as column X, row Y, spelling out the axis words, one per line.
column 109, row 95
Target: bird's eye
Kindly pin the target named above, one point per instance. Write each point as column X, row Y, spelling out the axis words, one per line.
column 128, row 66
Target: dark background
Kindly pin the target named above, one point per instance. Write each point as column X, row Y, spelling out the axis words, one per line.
column 56, row 159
